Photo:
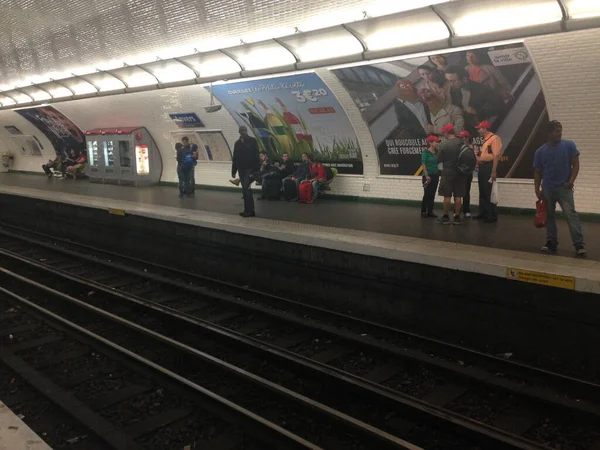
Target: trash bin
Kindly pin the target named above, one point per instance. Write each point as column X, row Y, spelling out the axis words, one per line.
column 7, row 160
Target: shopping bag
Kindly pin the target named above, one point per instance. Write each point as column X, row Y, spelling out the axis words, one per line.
column 494, row 198
column 541, row 217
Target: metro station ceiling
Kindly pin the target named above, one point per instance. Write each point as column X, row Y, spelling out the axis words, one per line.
column 57, row 36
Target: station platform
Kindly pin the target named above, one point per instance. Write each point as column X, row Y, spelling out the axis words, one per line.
column 507, row 249
column 15, row 435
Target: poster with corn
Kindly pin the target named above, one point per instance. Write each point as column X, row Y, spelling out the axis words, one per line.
column 294, row 114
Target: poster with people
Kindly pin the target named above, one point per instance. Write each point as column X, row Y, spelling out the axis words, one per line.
column 294, row 114
column 404, row 101
column 62, row 133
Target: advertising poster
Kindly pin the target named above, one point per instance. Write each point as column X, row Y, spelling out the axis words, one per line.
column 404, row 101
column 63, row 133
column 294, row 114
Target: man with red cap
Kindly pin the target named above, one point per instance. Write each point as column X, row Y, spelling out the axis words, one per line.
column 431, row 176
column 453, row 180
column 466, row 207
column 488, row 158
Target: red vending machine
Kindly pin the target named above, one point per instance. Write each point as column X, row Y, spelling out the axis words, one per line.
column 123, row 155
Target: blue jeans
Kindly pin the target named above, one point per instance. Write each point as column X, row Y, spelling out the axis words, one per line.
column 247, row 179
column 315, row 189
column 185, row 176
column 565, row 199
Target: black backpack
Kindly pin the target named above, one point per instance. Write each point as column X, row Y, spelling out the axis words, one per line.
column 328, row 172
column 466, row 161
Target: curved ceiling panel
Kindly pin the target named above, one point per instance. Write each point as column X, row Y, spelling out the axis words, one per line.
column 41, row 36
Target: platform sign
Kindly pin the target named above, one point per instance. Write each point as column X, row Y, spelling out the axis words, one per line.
column 545, row 279
column 187, row 120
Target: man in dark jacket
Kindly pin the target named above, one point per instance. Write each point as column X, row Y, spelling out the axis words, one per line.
column 246, row 162
column 286, row 168
column 478, row 101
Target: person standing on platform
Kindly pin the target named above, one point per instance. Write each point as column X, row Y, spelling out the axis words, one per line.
column 246, row 162
column 193, row 149
column 431, row 177
column 185, row 168
column 488, row 158
column 556, row 166
column 453, row 181
column 466, row 208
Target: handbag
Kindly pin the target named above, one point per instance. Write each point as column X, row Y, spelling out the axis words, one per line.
column 541, row 215
column 494, row 197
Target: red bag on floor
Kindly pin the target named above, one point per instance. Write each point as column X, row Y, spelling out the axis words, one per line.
column 541, row 217
column 305, row 192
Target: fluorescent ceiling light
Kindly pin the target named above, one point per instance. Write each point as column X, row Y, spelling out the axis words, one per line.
column 401, row 30
column 215, row 44
column 57, row 91
column 377, row 8
column 471, row 17
column 37, row 93
column 324, row 44
column 262, row 55
column 134, row 76
column 331, row 19
column 266, row 34
column 211, row 64
column 79, row 86
column 170, row 71
column 19, row 97
column 583, row 9
column 105, row 82
column 6, row 101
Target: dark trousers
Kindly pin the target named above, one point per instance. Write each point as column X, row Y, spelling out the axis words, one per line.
column 467, row 198
column 486, row 208
column 65, row 164
column 429, row 194
column 247, row 178
column 185, row 177
column 47, row 168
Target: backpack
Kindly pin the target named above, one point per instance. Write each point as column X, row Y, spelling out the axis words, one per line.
column 466, row 160
column 188, row 161
column 328, row 173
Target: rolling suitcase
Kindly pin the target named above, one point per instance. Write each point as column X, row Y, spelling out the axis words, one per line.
column 305, row 193
column 272, row 188
column 289, row 189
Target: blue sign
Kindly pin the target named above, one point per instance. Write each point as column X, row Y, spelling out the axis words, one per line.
column 187, row 120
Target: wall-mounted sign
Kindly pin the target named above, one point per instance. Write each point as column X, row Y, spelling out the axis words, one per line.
column 27, row 145
column 187, row 120
column 12, row 129
column 294, row 114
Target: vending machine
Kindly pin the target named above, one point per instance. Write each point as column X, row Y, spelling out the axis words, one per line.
column 123, row 155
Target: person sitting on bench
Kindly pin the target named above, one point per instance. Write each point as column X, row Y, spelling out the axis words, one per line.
column 71, row 160
column 53, row 164
column 80, row 163
column 317, row 175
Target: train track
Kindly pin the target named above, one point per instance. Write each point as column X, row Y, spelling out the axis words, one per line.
column 403, row 386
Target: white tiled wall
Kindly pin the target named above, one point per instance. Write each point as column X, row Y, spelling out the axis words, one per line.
column 570, row 81
column 570, row 86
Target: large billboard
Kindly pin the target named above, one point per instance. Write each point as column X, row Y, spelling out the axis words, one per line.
column 62, row 133
column 403, row 101
column 294, row 114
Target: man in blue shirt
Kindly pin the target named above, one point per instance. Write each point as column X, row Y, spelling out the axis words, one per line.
column 556, row 166
column 193, row 148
